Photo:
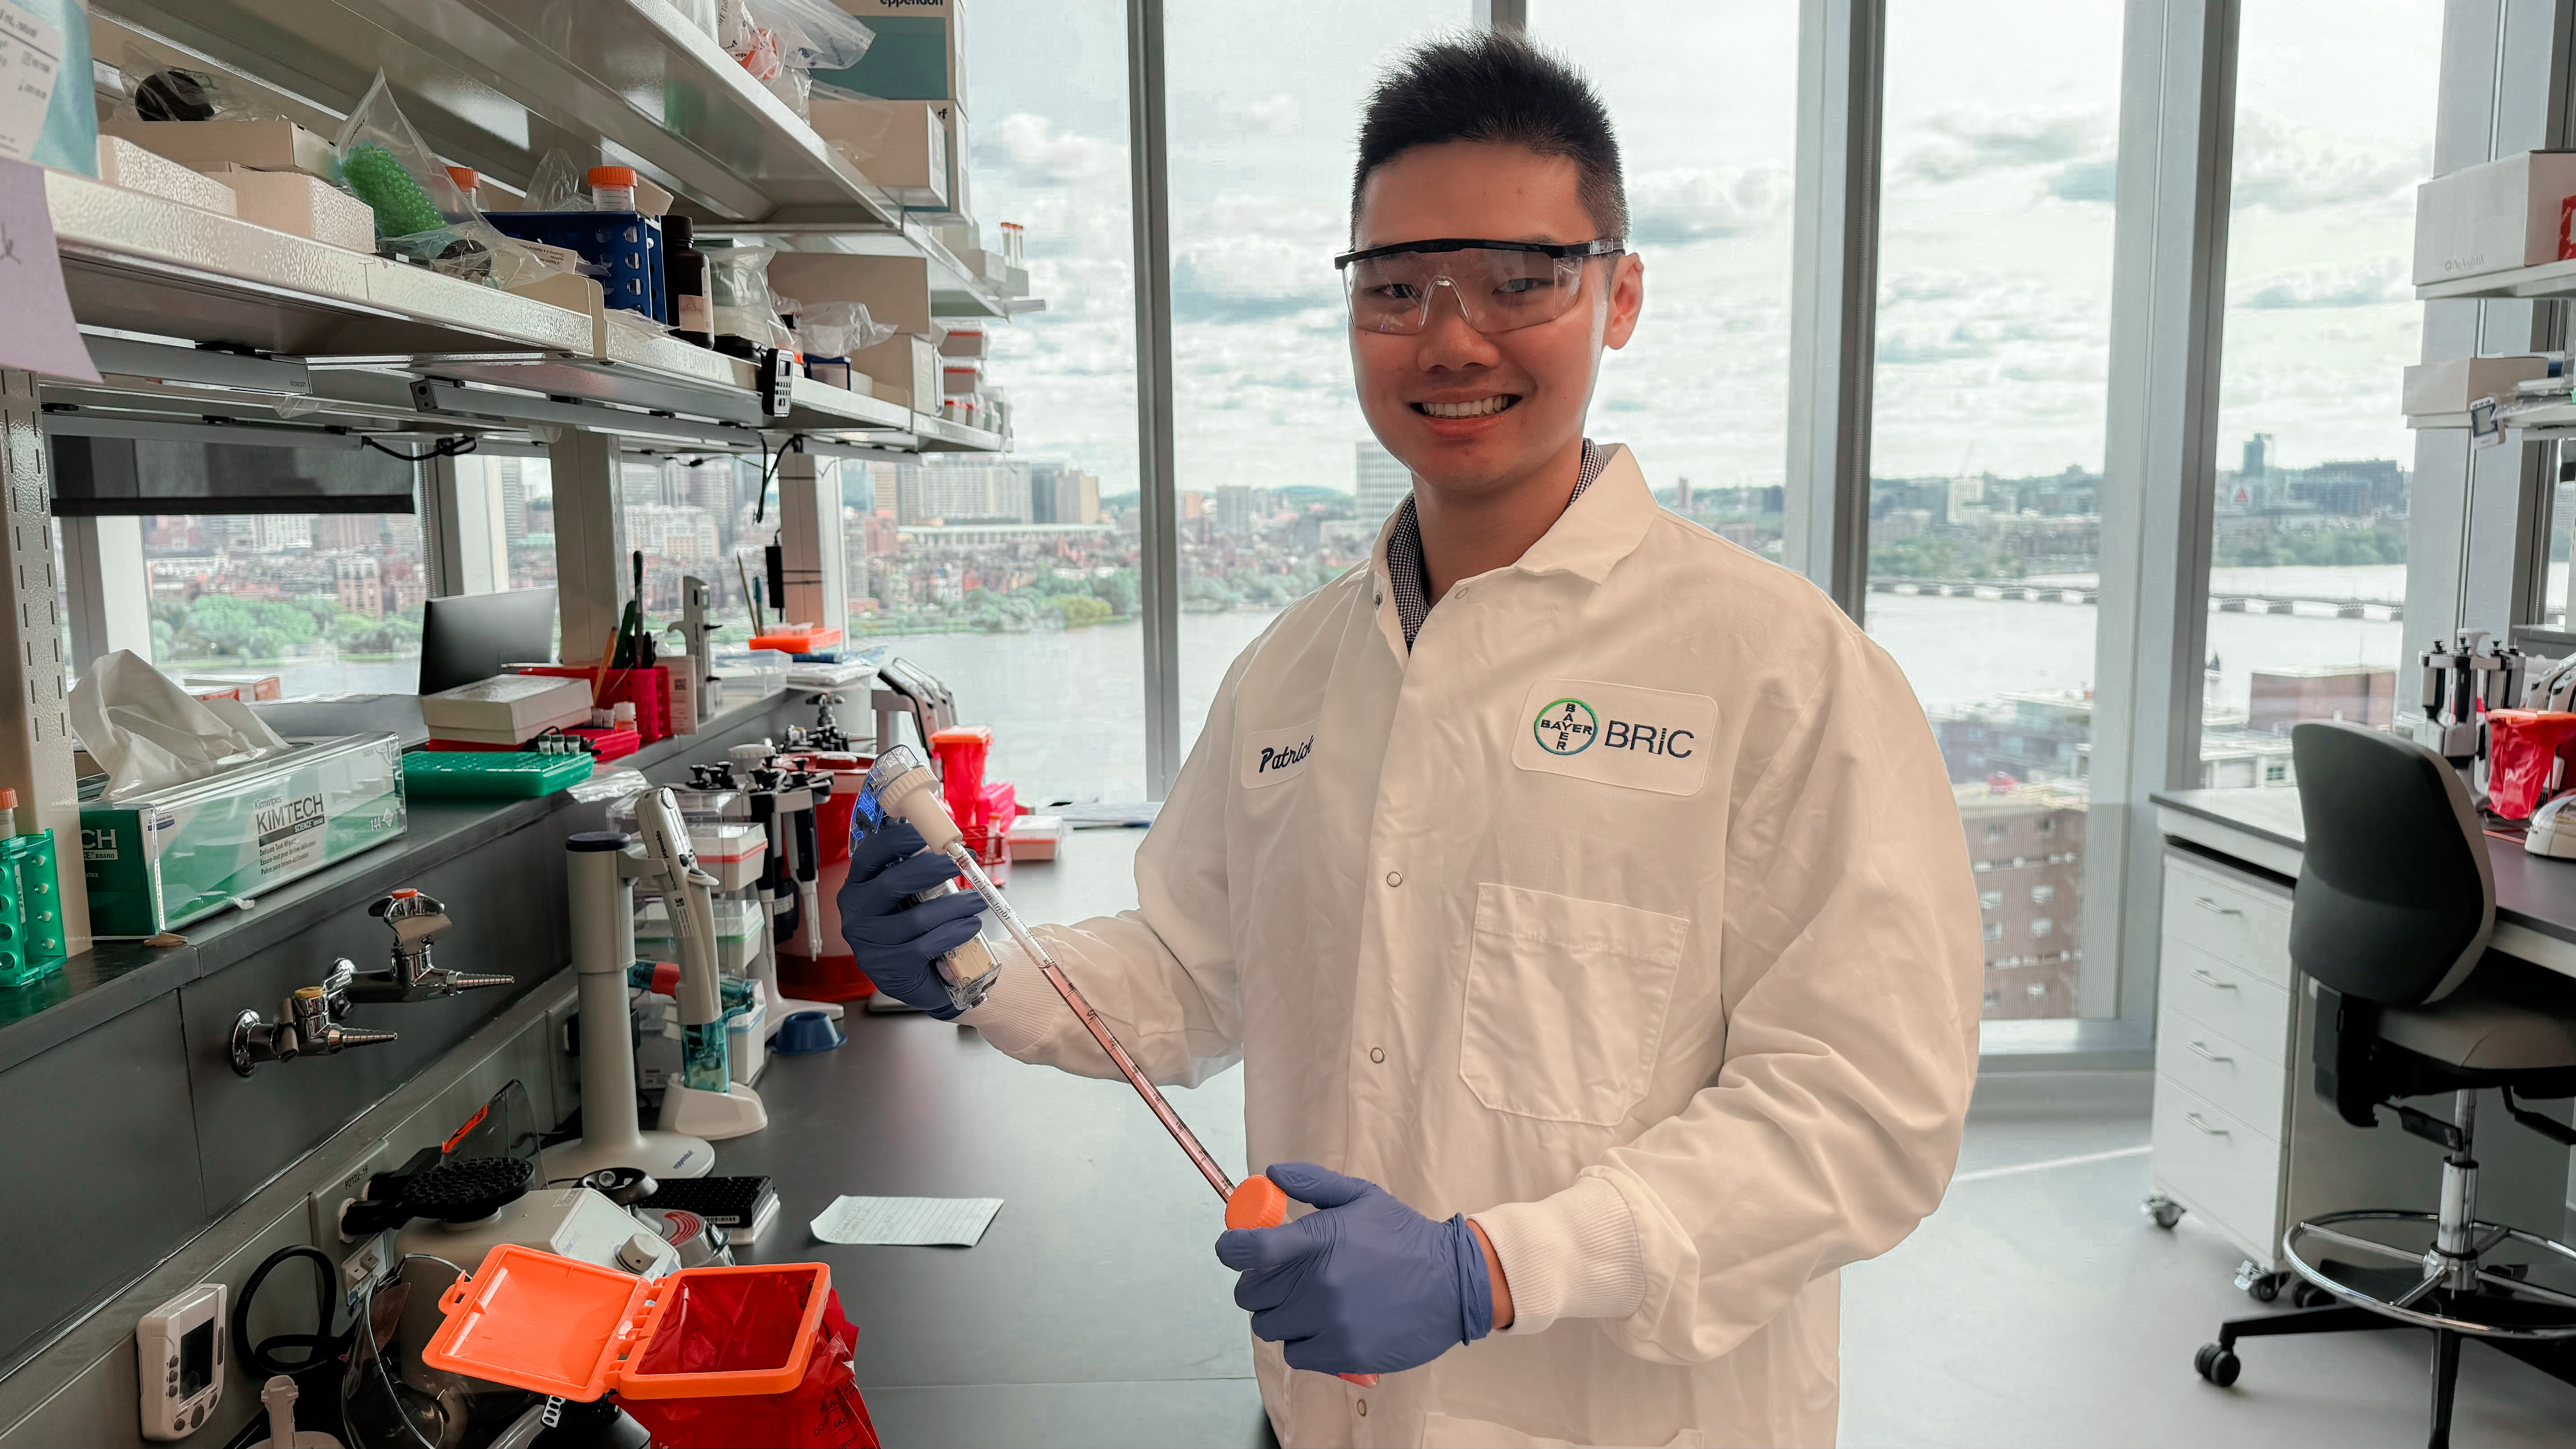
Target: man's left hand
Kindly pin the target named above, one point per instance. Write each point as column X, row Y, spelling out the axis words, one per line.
column 1366, row 1284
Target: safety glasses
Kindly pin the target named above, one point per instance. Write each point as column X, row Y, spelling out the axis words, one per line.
column 1500, row 285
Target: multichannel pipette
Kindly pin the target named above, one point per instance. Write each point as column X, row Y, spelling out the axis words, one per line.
column 901, row 787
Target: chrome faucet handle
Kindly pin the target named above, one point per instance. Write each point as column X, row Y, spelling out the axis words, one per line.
column 416, row 918
column 305, row 1026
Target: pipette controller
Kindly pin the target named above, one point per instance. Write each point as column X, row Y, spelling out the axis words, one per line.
column 902, row 787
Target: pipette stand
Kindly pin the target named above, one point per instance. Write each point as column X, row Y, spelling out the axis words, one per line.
column 603, row 944
column 737, row 1111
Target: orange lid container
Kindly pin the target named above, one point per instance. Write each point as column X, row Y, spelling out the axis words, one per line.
column 551, row 1325
column 798, row 639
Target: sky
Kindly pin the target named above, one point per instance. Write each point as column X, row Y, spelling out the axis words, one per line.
column 1995, row 244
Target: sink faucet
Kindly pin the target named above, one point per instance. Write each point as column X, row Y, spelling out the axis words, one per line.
column 304, row 1027
column 417, row 920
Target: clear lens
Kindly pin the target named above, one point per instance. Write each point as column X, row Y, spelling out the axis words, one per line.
column 1498, row 290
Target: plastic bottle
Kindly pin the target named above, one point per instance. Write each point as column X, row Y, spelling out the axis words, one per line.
column 467, row 183
column 684, row 280
column 612, row 188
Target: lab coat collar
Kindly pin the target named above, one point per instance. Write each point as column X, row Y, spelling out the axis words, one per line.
column 1594, row 533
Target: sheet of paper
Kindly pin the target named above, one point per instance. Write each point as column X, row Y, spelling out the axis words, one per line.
column 39, row 335
column 917, row 1221
column 31, row 52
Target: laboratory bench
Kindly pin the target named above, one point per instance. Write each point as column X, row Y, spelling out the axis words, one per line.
column 1094, row 1310
column 128, row 1132
column 2240, row 1135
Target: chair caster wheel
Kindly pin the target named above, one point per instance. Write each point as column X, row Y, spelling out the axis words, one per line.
column 2309, row 1295
column 2162, row 1210
column 2265, row 1288
column 2216, row 1364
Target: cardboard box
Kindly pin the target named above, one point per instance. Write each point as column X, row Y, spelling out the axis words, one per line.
column 2438, row 394
column 895, row 289
column 301, row 205
column 247, row 688
column 957, row 379
column 506, row 709
column 906, row 147
column 259, row 145
column 122, row 163
column 902, row 369
column 2493, row 217
column 918, row 54
column 965, row 342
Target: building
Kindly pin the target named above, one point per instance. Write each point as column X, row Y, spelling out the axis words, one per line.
column 668, row 531
column 356, row 585
column 956, row 487
column 2023, row 736
column 1379, row 481
column 2361, row 693
column 1062, row 493
column 278, row 532
column 2026, row 848
column 1239, row 509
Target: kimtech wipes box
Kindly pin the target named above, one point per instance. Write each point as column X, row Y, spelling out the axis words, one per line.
column 179, row 854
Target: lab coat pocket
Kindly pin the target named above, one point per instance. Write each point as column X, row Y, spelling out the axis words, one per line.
column 1566, row 1001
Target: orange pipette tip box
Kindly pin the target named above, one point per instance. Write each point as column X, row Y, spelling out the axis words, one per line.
column 551, row 1325
column 798, row 639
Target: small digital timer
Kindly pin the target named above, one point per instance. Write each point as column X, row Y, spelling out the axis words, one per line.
column 179, row 1362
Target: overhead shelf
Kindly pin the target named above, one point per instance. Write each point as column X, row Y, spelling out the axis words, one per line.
column 494, row 84
column 2549, row 279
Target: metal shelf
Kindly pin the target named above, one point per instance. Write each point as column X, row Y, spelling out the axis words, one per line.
column 938, row 435
column 493, row 84
column 2549, row 279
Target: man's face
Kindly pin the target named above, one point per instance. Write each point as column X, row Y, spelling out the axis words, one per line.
column 1528, row 387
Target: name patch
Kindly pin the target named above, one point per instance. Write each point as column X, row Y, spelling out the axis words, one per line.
column 1276, row 756
column 1616, row 734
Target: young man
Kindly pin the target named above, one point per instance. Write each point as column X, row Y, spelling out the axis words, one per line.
column 1583, row 892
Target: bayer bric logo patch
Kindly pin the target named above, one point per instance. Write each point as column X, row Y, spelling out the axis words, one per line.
column 1566, row 727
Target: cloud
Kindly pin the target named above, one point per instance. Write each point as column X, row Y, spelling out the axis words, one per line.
column 1275, row 114
column 2094, row 179
column 2286, row 169
column 2364, row 286
column 1678, row 207
column 1246, row 277
column 1970, row 142
column 1041, row 155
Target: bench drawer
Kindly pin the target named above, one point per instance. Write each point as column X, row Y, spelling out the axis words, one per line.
column 2226, row 998
column 2233, row 919
column 2218, row 1164
column 2243, row 1083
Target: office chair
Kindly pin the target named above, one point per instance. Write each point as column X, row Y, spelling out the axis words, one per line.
column 2391, row 918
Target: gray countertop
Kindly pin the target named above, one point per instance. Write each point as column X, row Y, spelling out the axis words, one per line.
column 2532, row 891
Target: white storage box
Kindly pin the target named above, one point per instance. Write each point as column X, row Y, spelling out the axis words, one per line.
column 121, row 163
column 1037, row 837
column 2494, row 217
column 301, row 205
column 507, row 709
column 903, row 369
column 260, row 145
column 2438, row 394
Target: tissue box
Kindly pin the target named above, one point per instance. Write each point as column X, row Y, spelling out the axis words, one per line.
column 179, row 854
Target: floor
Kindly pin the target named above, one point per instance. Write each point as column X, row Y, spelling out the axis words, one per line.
column 2036, row 1307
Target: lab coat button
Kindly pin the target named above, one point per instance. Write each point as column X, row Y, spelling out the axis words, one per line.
column 1377, row 1054
column 1363, row 1408
column 1395, row 877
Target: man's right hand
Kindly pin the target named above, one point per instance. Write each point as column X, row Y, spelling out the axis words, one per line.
column 896, row 944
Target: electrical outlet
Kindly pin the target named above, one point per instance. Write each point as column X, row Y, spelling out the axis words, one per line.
column 368, row 1262
column 327, row 1200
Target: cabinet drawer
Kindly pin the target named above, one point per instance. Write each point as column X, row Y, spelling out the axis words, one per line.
column 2242, row 1082
column 2234, row 920
column 2218, row 1164
column 2227, row 998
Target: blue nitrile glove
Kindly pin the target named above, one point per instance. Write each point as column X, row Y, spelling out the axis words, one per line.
column 1365, row 1286
column 895, row 944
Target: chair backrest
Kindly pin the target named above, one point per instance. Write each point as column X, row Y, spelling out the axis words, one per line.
column 2396, row 899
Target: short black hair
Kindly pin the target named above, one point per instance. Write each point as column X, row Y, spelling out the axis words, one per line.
column 1496, row 87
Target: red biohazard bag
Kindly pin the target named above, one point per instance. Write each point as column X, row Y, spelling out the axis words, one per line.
column 2523, row 749
column 823, row 1412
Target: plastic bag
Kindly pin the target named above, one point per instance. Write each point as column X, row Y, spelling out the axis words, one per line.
column 814, row 35
column 738, row 295
column 839, row 329
column 2523, row 750
column 149, row 88
column 559, row 185
column 823, row 1412
column 384, row 164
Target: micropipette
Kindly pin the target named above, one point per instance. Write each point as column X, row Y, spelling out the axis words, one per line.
column 903, row 788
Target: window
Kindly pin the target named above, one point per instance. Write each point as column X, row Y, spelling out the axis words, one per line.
column 1013, row 577
column 1705, row 99
column 2042, row 926
column 1275, row 462
column 2334, row 129
column 2041, row 895
column 1989, row 900
column 1990, row 392
column 1994, row 930
column 328, row 602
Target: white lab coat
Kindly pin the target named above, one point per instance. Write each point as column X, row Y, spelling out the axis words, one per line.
column 1673, row 988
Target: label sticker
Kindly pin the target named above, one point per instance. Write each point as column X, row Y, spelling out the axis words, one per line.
column 1278, row 755
column 31, row 56
column 1617, row 734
